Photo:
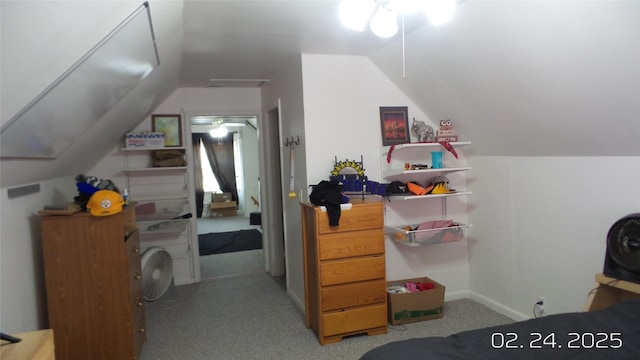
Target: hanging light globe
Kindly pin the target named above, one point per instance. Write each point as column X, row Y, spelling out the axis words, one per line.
column 440, row 11
column 219, row 131
column 356, row 13
column 384, row 23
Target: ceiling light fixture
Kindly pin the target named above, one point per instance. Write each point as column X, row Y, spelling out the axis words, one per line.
column 219, row 130
column 382, row 15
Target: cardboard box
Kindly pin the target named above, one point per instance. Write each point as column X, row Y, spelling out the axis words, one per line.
column 414, row 307
column 144, row 140
column 221, row 197
column 227, row 208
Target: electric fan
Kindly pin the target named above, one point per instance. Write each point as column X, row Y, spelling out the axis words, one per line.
column 157, row 272
column 622, row 260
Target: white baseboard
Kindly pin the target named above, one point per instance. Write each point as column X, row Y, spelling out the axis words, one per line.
column 296, row 300
column 498, row 307
column 184, row 281
column 456, row 295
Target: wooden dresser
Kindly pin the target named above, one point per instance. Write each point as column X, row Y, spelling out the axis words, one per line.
column 94, row 286
column 345, row 285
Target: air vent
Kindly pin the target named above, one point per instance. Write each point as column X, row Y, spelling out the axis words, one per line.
column 235, row 82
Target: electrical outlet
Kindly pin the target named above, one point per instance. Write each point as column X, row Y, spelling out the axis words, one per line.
column 538, row 308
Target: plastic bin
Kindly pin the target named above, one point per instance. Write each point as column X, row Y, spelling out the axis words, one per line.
column 405, row 236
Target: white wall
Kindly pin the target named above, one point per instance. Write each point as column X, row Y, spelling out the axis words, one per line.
column 342, row 96
column 190, row 101
column 286, row 89
column 194, row 101
column 541, row 225
column 22, row 295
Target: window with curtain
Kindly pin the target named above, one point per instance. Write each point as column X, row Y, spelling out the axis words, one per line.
column 209, row 182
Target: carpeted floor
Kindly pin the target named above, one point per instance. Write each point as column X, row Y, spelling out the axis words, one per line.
column 229, row 241
column 250, row 316
column 230, row 264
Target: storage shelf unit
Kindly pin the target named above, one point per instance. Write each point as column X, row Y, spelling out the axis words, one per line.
column 394, row 170
column 162, row 194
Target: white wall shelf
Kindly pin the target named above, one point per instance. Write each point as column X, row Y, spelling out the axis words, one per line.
column 422, row 145
column 153, row 149
column 394, row 170
column 152, row 169
column 400, row 174
column 430, row 196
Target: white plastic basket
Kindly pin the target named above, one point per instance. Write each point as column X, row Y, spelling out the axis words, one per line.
column 405, row 236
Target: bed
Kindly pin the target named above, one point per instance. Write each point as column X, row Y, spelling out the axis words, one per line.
column 611, row 333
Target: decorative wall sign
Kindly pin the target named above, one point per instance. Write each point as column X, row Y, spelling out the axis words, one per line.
column 348, row 167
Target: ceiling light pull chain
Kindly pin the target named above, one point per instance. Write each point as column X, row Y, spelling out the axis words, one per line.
column 404, row 69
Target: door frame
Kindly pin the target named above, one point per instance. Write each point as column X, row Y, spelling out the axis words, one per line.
column 271, row 195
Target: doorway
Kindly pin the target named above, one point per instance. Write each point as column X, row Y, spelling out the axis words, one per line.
column 223, row 217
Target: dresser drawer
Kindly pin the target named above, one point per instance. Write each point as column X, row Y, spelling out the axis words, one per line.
column 135, row 284
column 352, row 270
column 351, row 295
column 134, row 253
column 359, row 217
column 139, row 333
column 137, row 306
column 342, row 322
column 350, row 244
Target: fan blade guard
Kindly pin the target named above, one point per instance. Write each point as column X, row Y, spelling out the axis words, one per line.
column 157, row 272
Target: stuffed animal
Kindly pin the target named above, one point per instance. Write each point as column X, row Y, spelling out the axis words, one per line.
column 425, row 132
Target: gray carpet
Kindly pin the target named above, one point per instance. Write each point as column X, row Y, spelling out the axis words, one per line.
column 249, row 316
column 240, row 262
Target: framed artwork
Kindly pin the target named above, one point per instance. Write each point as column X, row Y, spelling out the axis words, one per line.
column 394, row 123
column 171, row 126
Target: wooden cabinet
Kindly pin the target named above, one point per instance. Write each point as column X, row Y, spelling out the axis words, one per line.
column 345, row 274
column 94, row 286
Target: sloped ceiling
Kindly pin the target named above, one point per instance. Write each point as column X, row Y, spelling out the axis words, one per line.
column 530, row 78
column 42, row 39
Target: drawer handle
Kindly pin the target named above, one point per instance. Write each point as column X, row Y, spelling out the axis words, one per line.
column 141, row 330
column 136, row 250
column 137, row 276
column 139, row 303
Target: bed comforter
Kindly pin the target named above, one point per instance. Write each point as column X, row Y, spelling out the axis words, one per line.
column 612, row 333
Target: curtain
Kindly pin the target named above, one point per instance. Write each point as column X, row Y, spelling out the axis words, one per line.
column 197, row 166
column 220, row 154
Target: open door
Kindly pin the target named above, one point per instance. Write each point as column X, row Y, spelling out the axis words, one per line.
column 271, row 191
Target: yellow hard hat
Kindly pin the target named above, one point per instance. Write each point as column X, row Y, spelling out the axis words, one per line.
column 105, row 203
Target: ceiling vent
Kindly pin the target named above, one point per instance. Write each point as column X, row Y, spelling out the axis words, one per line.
column 235, row 82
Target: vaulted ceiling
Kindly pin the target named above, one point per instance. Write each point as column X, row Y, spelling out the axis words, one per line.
column 522, row 78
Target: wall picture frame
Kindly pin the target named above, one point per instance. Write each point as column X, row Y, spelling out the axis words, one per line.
column 394, row 124
column 171, row 126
